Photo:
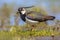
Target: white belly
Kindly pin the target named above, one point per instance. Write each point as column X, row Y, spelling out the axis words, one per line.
column 32, row 21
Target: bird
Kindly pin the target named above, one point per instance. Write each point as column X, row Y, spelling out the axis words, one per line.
column 33, row 17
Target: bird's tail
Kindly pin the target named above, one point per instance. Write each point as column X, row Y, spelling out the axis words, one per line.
column 50, row 17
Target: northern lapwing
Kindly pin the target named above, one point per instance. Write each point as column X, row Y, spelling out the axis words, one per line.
column 34, row 17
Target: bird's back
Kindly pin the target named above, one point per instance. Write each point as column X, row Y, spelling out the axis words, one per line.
column 39, row 17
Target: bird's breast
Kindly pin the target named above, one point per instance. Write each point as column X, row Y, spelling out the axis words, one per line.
column 23, row 17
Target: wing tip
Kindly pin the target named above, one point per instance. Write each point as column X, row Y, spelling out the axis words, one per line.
column 53, row 17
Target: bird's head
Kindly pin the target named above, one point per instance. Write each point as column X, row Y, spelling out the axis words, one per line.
column 22, row 10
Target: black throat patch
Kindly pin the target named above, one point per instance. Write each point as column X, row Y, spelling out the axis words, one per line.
column 23, row 17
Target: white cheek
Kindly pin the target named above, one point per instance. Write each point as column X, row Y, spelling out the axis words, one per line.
column 23, row 12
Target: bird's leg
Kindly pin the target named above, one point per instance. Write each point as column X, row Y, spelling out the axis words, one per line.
column 32, row 27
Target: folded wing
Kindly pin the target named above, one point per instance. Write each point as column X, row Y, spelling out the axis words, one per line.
column 39, row 17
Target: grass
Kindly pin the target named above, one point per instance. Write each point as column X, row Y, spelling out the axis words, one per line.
column 18, row 34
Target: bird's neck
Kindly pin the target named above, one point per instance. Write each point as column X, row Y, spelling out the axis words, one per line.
column 23, row 17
